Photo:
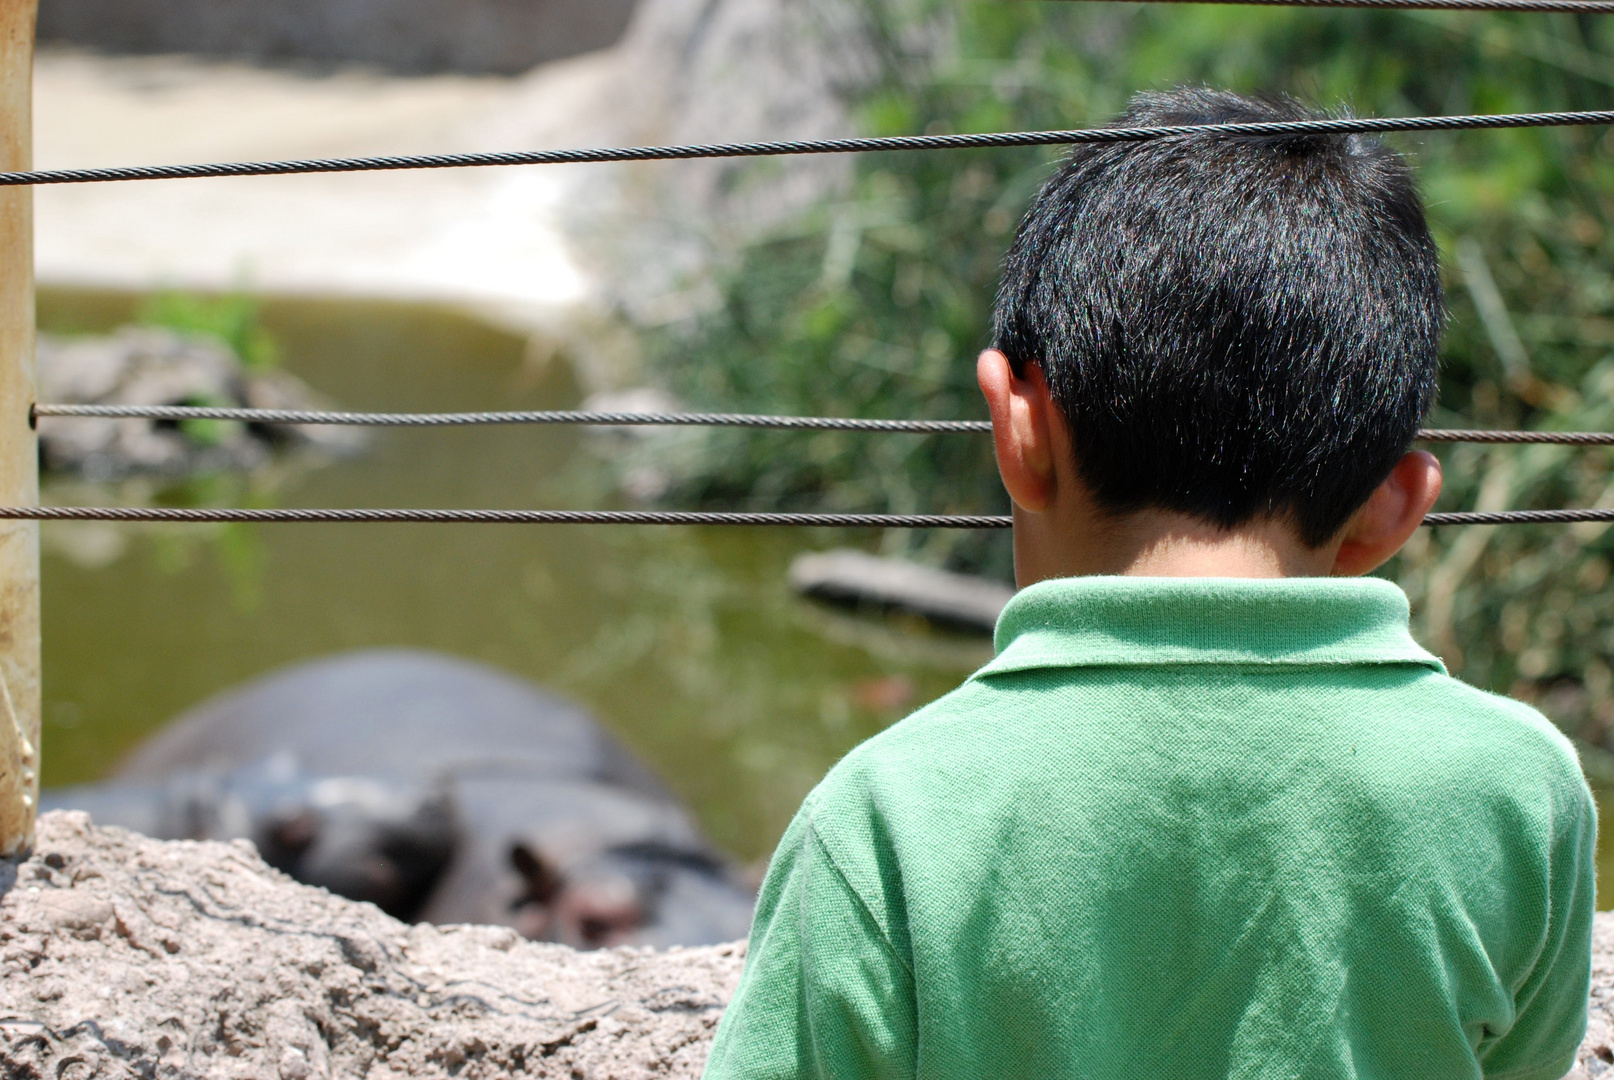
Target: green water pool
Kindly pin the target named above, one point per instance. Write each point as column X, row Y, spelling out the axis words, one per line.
column 685, row 642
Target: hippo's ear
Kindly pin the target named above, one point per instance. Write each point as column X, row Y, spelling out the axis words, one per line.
column 287, row 839
column 542, row 879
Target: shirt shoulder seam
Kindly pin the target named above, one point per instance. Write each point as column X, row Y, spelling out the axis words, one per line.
column 846, row 882
column 1253, row 665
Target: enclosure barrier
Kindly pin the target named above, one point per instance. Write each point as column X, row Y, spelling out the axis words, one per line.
column 1344, row 125
column 417, row 516
column 181, row 413
column 19, row 452
column 19, row 455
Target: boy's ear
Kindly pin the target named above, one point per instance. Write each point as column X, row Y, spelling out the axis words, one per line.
column 1021, row 429
column 1385, row 522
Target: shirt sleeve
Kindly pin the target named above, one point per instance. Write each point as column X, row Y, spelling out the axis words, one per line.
column 1551, row 1004
column 824, row 995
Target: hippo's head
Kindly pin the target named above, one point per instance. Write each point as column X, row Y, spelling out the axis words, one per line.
column 360, row 837
column 375, row 838
column 585, row 863
column 630, row 894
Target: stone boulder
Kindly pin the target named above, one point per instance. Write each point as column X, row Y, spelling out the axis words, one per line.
column 122, row 956
column 147, row 366
column 479, row 36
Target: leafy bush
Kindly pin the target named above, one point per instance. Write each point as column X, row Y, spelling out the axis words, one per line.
column 232, row 319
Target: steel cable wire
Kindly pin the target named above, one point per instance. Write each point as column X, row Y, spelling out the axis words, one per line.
column 1338, row 126
column 1522, row 517
column 1560, row 438
column 651, row 517
column 182, row 413
column 500, row 517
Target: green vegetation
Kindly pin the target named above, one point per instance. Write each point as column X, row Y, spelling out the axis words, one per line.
column 877, row 303
column 232, row 319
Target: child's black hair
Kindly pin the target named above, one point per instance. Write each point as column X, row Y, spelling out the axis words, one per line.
column 1234, row 326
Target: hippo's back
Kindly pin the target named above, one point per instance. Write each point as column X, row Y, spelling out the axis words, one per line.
column 394, row 711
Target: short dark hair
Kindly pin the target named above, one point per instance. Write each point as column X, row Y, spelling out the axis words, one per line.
column 1235, row 326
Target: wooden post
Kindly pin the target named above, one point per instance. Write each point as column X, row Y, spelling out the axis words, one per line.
column 19, row 449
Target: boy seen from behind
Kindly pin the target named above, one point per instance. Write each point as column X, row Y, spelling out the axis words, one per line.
column 1211, row 812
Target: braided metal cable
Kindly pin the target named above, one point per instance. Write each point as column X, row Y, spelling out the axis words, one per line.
column 650, row 517
column 1340, row 126
column 501, row 517
column 181, row 413
column 1520, row 517
column 1562, row 438
column 547, row 416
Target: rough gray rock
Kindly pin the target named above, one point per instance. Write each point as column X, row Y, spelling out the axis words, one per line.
column 1596, row 1057
column 506, row 36
column 146, row 366
column 127, row 957
column 540, row 248
column 705, row 71
column 122, row 956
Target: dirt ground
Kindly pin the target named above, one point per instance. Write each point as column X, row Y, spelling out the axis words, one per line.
column 127, row 957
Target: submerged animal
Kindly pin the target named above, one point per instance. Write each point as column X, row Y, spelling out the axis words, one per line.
column 438, row 789
column 381, row 839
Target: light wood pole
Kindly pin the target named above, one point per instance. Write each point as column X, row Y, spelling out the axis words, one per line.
column 19, row 449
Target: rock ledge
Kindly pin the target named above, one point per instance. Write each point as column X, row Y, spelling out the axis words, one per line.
column 122, row 956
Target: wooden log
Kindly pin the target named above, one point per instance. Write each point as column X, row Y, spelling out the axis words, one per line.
column 19, row 450
column 856, row 578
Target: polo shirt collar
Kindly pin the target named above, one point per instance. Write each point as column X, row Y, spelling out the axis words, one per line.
column 1135, row 621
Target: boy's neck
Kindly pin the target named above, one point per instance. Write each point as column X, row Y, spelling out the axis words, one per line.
column 1158, row 543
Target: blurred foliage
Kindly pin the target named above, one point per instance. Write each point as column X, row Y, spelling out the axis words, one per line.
column 877, row 304
column 232, row 318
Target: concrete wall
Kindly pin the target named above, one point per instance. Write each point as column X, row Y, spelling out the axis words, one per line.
column 480, row 36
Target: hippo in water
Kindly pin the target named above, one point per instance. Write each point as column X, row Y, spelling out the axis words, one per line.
column 438, row 789
column 380, row 839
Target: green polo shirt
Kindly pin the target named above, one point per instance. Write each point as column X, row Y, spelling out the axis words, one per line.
column 1183, row 828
